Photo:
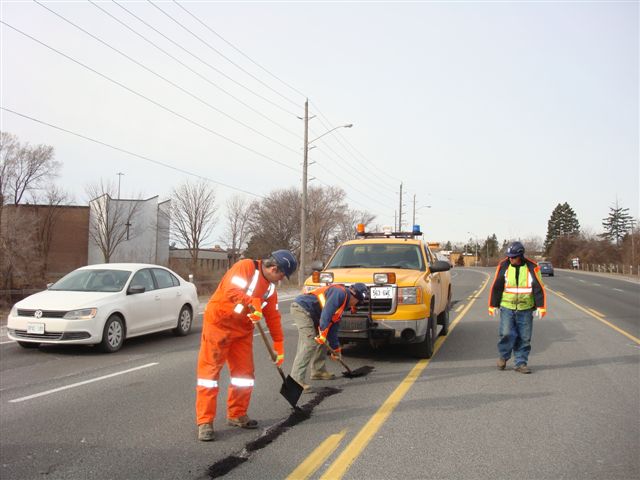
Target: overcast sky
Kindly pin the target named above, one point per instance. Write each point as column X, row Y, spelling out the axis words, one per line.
column 491, row 113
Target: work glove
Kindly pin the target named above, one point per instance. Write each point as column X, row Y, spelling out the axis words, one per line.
column 540, row 312
column 321, row 339
column 279, row 348
column 337, row 354
column 255, row 309
column 492, row 311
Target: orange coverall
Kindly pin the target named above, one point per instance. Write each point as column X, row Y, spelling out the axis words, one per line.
column 227, row 336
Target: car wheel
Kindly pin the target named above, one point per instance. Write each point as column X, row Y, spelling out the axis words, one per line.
column 185, row 320
column 112, row 335
column 28, row 344
column 424, row 349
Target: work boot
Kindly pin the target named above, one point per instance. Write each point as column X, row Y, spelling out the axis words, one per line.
column 306, row 388
column 502, row 363
column 522, row 368
column 205, row 432
column 322, row 375
column 242, row 422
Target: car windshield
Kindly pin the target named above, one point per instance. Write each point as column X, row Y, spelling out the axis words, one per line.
column 92, row 281
column 545, row 264
column 378, row 255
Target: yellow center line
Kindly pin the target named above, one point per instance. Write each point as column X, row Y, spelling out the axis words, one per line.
column 340, row 466
column 459, row 308
column 602, row 320
column 317, row 457
column 597, row 313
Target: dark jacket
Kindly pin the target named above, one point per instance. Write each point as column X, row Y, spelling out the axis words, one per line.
column 497, row 288
column 322, row 316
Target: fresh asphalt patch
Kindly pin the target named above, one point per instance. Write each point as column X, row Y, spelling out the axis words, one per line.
column 299, row 414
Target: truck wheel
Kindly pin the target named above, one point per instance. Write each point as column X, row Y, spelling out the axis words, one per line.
column 443, row 319
column 424, row 349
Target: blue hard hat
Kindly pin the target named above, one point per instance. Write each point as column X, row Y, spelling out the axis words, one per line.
column 286, row 262
column 516, row 249
column 360, row 291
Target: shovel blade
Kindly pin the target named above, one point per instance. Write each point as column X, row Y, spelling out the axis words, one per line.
column 291, row 390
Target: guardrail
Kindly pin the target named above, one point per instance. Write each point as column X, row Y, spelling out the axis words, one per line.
column 621, row 269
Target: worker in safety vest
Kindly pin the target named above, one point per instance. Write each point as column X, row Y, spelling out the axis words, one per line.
column 518, row 292
column 317, row 315
column 245, row 295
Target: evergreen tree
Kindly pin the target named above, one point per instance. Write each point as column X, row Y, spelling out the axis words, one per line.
column 563, row 221
column 617, row 224
column 447, row 246
column 490, row 247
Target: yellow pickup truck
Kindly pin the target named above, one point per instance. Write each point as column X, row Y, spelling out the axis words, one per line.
column 409, row 289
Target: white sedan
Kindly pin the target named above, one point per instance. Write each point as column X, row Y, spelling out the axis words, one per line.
column 104, row 304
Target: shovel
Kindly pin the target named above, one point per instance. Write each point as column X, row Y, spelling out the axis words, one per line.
column 291, row 390
column 358, row 372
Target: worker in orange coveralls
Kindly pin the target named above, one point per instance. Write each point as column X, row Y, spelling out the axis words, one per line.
column 244, row 296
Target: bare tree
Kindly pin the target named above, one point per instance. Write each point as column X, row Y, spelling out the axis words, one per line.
column 327, row 211
column 193, row 209
column 237, row 232
column 54, row 198
column 275, row 223
column 23, row 170
column 350, row 220
column 109, row 219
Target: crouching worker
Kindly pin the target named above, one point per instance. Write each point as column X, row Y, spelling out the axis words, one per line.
column 317, row 316
column 244, row 296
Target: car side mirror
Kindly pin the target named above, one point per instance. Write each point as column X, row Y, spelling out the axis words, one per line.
column 133, row 289
column 317, row 266
column 439, row 266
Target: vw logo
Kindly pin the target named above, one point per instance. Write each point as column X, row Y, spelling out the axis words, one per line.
column 37, row 314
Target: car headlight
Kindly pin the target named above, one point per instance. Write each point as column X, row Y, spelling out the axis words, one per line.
column 82, row 314
column 409, row 295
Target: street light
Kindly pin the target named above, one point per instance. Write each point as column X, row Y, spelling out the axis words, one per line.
column 303, row 214
column 414, row 209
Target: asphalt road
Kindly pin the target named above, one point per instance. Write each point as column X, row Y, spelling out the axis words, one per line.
column 130, row 415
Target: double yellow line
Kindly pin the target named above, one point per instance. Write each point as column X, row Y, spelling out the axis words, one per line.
column 340, row 466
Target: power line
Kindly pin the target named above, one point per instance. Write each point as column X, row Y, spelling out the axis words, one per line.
column 192, row 95
column 133, row 154
column 205, row 62
column 238, row 50
column 224, row 56
column 266, row 117
column 369, row 163
column 179, row 115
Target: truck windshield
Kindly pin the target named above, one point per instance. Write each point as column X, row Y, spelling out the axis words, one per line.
column 378, row 255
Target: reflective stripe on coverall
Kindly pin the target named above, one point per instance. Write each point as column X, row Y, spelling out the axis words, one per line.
column 227, row 336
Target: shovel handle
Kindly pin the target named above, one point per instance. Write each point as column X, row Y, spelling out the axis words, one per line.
column 269, row 348
column 335, row 354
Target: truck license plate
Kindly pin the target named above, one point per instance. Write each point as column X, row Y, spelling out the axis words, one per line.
column 36, row 328
column 381, row 292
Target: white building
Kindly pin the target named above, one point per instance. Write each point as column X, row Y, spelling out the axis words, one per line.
column 139, row 229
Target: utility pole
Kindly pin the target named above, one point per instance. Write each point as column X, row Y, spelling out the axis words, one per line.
column 303, row 214
column 414, row 210
column 120, row 174
column 400, row 210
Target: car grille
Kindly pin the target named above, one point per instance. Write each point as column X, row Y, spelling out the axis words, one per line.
column 36, row 336
column 50, row 335
column 45, row 313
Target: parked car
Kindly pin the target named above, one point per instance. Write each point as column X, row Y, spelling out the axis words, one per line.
column 546, row 268
column 104, row 305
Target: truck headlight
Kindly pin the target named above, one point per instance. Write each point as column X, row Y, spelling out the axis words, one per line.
column 82, row 314
column 409, row 295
